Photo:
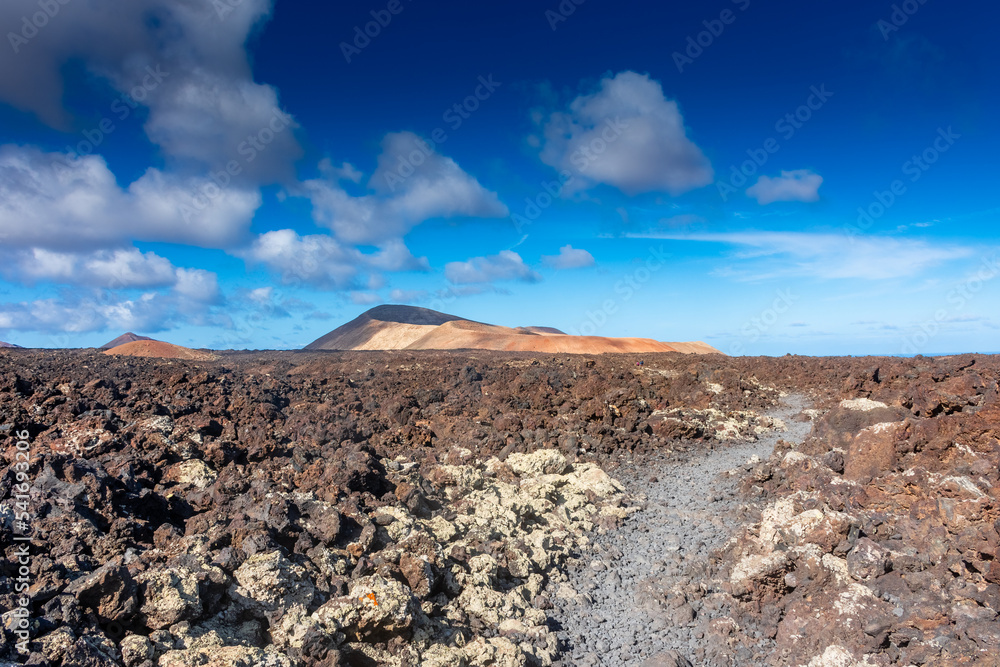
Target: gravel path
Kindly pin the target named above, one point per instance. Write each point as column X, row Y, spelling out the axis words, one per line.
column 642, row 591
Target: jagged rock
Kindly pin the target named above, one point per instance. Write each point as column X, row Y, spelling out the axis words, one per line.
column 373, row 605
column 867, row 560
column 245, row 495
column 169, row 596
column 109, row 591
column 873, row 451
column 269, row 580
column 136, row 649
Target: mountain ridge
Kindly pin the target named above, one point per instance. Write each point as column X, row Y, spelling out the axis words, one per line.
column 398, row 327
column 124, row 339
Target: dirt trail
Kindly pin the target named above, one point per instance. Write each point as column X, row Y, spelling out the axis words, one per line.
column 643, row 590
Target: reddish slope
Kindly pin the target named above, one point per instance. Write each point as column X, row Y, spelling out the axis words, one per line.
column 409, row 328
column 122, row 340
column 160, row 350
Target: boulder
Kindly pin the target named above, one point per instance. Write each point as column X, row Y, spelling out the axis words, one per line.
column 170, row 595
column 110, row 592
column 873, row 451
column 867, row 560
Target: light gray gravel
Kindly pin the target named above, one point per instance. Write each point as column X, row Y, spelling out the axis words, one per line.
column 643, row 590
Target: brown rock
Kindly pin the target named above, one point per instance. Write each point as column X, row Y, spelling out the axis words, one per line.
column 419, row 574
column 110, row 592
column 873, row 451
column 867, row 560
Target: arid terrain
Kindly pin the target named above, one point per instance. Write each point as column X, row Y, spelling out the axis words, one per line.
column 413, row 328
column 498, row 508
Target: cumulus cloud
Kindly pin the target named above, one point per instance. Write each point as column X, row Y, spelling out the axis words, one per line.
column 100, row 310
column 316, row 259
column 628, row 135
column 410, row 185
column 184, row 61
column 321, row 261
column 799, row 185
column 51, row 201
column 825, row 256
column 198, row 285
column 103, row 268
column 507, row 265
column 569, row 258
column 111, row 270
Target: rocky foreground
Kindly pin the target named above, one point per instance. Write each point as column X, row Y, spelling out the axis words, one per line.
column 423, row 508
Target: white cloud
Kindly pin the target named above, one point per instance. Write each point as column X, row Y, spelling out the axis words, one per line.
column 627, row 135
column 345, row 172
column 321, row 261
column 261, row 295
column 410, row 185
column 83, row 312
column 48, row 201
column 393, row 255
column 317, row 259
column 569, row 258
column 198, row 285
column 799, row 185
column 825, row 256
column 507, row 265
column 119, row 269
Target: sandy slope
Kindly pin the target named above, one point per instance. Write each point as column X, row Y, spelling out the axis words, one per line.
column 158, row 349
column 122, row 340
column 411, row 328
column 462, row 334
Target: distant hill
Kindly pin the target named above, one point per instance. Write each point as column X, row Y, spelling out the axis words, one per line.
column 412, row 328
column 3, row 344
column 160, row 350
column 122, row 340
column 383, row 328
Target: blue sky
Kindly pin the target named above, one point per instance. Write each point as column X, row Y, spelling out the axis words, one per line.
column 813, row 178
